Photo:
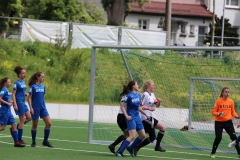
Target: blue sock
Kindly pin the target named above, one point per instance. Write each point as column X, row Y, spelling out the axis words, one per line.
column 34, row 133
column 46, row 135
column 20, row 132
column 124, row 146
column 238, row 140
column 135, row 143
column 15, row 136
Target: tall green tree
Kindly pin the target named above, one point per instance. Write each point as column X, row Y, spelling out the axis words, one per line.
column 63, row 10
column 9, row 8
column 229, row 31
column 117, row 10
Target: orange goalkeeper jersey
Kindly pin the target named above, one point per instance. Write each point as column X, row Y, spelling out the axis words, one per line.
column 226, row 106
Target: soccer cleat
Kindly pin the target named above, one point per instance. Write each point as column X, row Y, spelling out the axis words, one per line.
column 33, row 144
column 47, row 144
column 18, row 144
column 122, row 155
column 212, row 156
column 159, row 149
column 135, row 150
column 131, row 152
column 112, row 149
column 233, row 143
column 21, row 141
column 118, row 154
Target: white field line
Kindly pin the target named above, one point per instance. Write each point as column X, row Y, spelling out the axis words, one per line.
column 87, row 151
column 187, row 153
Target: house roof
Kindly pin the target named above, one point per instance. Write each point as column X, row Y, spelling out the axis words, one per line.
column 178, row 9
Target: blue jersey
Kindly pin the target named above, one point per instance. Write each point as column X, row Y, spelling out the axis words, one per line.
column 5, row 94
column 133, row 102
column 37, row 92
column 20, row 88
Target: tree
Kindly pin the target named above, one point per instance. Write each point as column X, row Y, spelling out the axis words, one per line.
column 9, row 8
column 95, row 13
column 117, row 10
column 228, row 32
column 63, row 10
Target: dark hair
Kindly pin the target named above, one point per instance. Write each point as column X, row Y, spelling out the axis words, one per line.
column 221, row 95
column 128, row 87
column 18, row 70
column 33, row 79
column 2, row 81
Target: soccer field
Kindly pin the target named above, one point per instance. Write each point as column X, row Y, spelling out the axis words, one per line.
column 69, row 139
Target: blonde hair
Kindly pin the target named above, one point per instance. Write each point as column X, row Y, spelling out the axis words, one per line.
column 145, row 86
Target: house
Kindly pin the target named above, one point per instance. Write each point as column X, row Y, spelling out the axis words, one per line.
column 190, row 20
column 231, row 11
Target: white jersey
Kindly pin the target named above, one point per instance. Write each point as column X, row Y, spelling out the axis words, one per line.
column 147, row 99
column 120, row 111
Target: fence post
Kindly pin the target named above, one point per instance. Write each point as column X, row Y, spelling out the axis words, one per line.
column 119, row 35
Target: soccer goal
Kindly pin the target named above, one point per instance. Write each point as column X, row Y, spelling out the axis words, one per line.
column 187, row 80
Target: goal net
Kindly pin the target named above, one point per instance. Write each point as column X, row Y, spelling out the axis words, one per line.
column 187, row 81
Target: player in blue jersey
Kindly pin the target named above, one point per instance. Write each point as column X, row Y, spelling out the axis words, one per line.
column 6, row 116
column 18, row 97
column 38, row 108
column 134, row 123
column 121, row 121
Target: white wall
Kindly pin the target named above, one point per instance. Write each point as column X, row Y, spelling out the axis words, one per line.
column 132, row 20
column 108, row 114
column 231, row 13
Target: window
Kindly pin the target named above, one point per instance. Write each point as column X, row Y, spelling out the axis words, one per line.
column 143, row 24
column 183, row 28
column 232, row 3
column 192, row 29
column 161, row 23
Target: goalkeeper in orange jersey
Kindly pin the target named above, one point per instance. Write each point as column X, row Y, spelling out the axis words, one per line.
column 223, row 111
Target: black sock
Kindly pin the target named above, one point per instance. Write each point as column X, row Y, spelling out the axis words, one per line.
column 145, row 142
column 159, row 138
column 215, row 145
column 118, row 140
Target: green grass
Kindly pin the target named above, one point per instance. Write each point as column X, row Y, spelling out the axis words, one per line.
column 69, row 139
column 67, row 72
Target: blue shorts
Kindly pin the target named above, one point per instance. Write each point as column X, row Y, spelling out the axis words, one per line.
column 7, row 119
column 22, row 108
column 39, row 113
column 135, row 124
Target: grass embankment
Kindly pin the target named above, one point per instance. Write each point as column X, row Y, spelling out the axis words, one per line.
column 67, row 72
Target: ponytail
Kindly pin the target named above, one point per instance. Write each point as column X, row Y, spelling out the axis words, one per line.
column 33, row 79
column 2, row 81
column 124, row 92
column 128, row 87
column 18, row 70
